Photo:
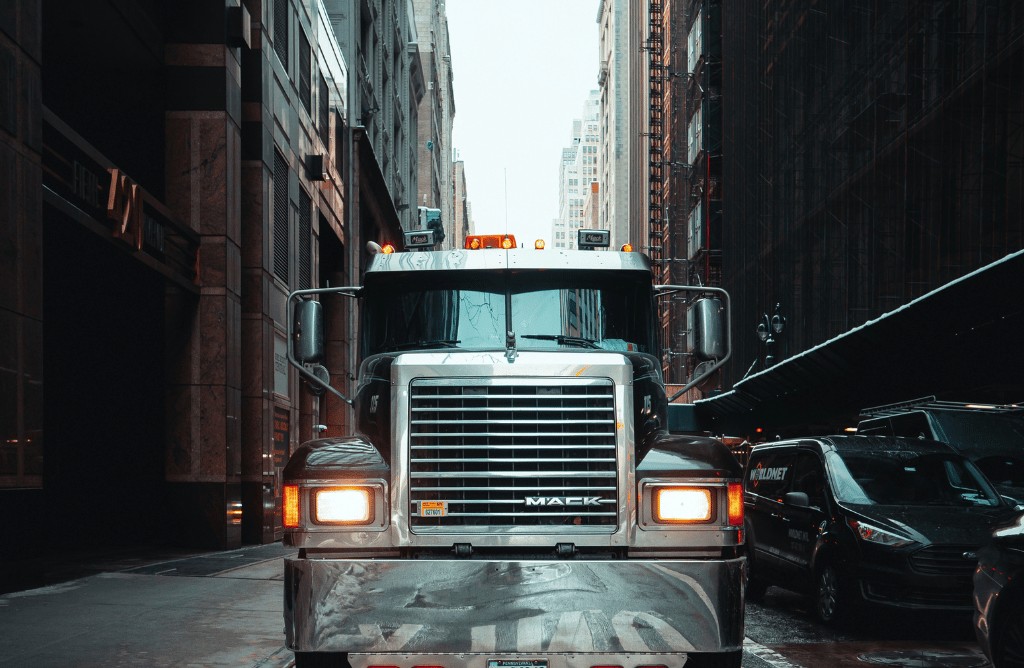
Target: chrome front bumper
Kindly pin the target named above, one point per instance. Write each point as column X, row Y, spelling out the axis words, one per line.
column 474, row 609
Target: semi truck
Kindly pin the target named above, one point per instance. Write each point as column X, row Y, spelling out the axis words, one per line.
column 509, row 496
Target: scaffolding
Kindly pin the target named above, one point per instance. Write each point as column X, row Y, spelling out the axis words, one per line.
column 873, row 153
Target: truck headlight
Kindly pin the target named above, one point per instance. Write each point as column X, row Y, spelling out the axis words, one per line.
column 343, row 505
column 682, row 504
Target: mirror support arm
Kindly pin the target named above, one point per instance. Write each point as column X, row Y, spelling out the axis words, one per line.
column 350, row 291
column 669, row 289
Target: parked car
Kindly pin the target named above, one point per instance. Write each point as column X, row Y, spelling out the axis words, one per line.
column 991, row 436
column 999, row 595
column 847, row 519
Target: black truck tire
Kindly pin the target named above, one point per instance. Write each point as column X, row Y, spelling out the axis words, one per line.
column 714, row 659
column 321, row 660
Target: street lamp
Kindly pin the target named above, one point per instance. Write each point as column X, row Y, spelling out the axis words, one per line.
column 767, row 330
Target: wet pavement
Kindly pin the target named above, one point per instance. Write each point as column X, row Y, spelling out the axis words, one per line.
column 217, row 609
column 783, row 633
column 225, row 609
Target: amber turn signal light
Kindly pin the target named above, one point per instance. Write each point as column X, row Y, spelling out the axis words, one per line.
column 735, row 504
column 291, row 505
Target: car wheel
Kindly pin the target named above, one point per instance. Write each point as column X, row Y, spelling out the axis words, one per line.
column 1009, row 653
column 830, row 601
column 714, row 660
column 754, row 588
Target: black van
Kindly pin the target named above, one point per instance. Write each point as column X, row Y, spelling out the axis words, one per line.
column 990, row 436
column 846, row 519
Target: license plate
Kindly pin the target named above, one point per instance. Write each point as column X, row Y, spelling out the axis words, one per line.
column 433, row 508
column 517, row 663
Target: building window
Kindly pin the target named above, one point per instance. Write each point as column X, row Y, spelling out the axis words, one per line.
column 281, row 31
column 305, row 74
column 280, row 217
column 324, row 101
column 305, row 240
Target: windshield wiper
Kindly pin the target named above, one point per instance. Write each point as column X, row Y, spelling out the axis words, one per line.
column 416, row 344
column 561, row 339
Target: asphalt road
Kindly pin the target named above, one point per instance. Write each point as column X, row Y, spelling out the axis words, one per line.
column 225, row 609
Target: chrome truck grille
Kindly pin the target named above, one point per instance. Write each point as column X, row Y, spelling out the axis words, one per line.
column 508, row 453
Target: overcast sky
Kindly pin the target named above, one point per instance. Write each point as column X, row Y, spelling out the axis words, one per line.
column 521, row 73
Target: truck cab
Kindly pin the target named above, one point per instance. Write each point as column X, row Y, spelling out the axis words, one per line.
column 509, row 495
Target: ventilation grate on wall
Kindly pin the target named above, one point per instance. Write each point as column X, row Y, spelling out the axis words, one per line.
column 280, row 217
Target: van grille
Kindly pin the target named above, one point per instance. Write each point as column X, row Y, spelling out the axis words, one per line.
column 946, row 560
column 515, row 453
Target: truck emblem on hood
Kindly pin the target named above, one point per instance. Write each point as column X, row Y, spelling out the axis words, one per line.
column 563, row 500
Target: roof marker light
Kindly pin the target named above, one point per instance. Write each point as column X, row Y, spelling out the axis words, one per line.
column 507, row 243
column 627, row 248
column 388, row 249
column 539, row 244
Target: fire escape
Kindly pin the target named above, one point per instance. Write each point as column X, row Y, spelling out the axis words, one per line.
column 655, row 48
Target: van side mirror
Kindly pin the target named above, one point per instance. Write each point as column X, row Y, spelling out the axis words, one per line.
column 308, row 332
column 798, row 499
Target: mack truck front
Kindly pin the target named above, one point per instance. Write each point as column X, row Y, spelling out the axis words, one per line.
column 509, row 496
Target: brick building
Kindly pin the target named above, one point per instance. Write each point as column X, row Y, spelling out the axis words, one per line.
column 169, row 177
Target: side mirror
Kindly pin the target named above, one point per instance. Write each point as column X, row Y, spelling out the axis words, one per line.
column 707, row 326
column 306, row 336
column 798, row 499
column 308, row 332
column 712, row 317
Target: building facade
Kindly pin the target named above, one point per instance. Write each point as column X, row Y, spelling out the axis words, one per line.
column 578, row 170
column 463, row 222
column 152, row 240
column 615, row 44
column 437, row 188
column 690, row 67
column 866, row 165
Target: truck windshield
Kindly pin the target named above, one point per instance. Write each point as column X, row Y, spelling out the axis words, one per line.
column 471, row 310
column 905, row 478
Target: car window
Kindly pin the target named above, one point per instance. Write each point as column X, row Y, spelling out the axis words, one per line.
column 809, row 478
column 977, row 434
column 770, row 474
column 911, row 425
column 1003, row 470
column 908, row 479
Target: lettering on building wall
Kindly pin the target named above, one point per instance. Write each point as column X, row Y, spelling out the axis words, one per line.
column 282, row 429
column 124, row 207
column 281, row 376
column 85, row 184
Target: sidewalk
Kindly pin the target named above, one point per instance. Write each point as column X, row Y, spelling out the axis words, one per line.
column 216, row 609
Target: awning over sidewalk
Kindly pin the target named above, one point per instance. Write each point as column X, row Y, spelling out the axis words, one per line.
column 964, row 340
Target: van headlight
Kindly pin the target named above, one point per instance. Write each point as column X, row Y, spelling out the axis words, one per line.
column 682, row 504
column 872, row 534
column 343, row 505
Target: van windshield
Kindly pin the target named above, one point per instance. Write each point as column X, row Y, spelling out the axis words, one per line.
column 473, row 310
column 907, row 478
